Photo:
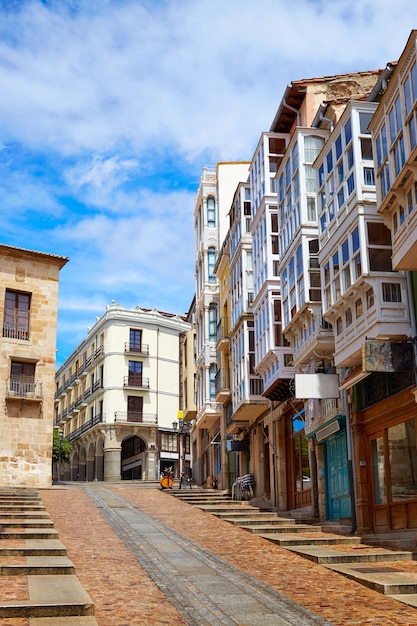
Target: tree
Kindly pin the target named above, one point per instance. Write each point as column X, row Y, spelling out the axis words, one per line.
column 61, row 448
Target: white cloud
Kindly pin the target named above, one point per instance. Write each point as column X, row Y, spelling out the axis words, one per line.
column 109, row 108
column 182, row 73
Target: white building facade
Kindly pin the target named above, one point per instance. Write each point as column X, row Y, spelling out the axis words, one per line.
column 118, row 395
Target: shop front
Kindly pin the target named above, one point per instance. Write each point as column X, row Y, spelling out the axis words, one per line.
column 386, row 454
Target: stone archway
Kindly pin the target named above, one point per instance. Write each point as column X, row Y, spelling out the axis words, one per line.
column 90, row 462
column 100, row 459
column 75, row 467
column 82, row 464
column 133, row 458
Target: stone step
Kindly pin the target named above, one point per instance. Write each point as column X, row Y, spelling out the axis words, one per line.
column 89, row 620
column 29, row 533
column 50, row 596
column 285, row 530
column 291, row 539
column 35, row 547
column 383, row 579
column 323, row 555
column 394, row 540
column 21, row 507
column 36, row 514
column 215, row 510
column 39, row 565
column 280, row 525
column 32, row 522
column 248, row 515
column 19, row 502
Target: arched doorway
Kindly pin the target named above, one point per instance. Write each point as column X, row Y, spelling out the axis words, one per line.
column 75, row 467
column 100, row 459
column 90, row 463
column 133, row 458
column 82, row 464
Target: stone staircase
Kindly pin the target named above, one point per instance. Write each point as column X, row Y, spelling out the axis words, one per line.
column 385, row 563
column 42, row 585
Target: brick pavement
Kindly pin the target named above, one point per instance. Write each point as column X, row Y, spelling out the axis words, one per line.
column 125, row 596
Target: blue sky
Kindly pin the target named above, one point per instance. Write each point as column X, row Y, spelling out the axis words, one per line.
column 110, row 108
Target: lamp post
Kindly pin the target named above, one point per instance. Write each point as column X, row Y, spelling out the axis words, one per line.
column 60, row 437
column 182, row 428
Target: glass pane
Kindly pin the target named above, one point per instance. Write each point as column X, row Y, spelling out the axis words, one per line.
column 403, row 460
column 378, row 468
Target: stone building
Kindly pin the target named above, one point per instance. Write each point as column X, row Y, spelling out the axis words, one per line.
column 28, row 308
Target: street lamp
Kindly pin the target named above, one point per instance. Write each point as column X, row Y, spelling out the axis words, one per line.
column 60, row 438
column 182, row 428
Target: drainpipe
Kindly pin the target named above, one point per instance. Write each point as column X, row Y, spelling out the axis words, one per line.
column 314, row 479
column 293, row 109
column 351, row 464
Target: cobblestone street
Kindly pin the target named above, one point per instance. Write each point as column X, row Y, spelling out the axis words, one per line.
column 125, row 595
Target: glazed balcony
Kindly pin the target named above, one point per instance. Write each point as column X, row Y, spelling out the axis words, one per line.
column 222, row 382
column 223, row 334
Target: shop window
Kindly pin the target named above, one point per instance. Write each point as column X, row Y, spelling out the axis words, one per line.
column 402, row 455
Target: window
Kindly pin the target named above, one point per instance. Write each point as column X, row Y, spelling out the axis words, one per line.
column 348, row 131
column 358, row 308
column 364, row 121
column 351, row 184
column 339, row 326
column 211, row 211
column 135, row 340
column 366, row 149
column 379, row 249
column 369, row 176
column 370, row 298
column 16, row 315
column 169, row 442
column 391, row 292
column 211, row 262
column 212, row 322
column 134, row 409
column 312, row 148
column 135, row 373
column 311, row 209
column 348, row 317
column 22, row 379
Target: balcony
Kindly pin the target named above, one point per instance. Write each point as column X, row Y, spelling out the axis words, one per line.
column 249, row 407
column 136, row 382
column 222, row 382
column 137, row 348
column 84, row 427
column 319, row 413
column 11, row 331
column 24, row 390
column 208, row 414
column 223, row 334
column 99, row 354
column 136, row 417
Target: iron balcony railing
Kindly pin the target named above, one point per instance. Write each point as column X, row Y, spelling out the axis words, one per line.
column 136, row 381
column 222, row 380
column 84, row 427
column 12, row 331
column 26, row 389
column 142, row 348
column 135, row 416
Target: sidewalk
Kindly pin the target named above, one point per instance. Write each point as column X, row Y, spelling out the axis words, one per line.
column 124, row 595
